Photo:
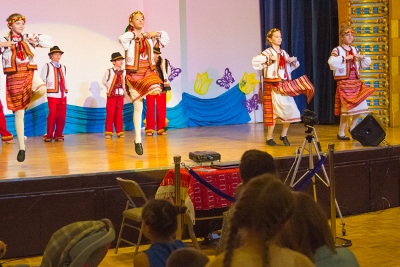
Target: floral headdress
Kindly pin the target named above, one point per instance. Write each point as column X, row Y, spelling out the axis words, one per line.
column 349, row 30
column 14, row 19
column 133, row 14
column 129, row 27
column 271, row 32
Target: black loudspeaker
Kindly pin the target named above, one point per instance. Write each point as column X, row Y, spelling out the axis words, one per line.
column 369, row 132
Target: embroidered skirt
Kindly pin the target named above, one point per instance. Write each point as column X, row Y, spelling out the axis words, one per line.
column 143, row 82
column 278, row 99
column 19, row 88
column 350, row 98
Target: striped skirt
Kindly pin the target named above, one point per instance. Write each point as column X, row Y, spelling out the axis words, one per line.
column 351, row 94
column 143, row 82
column 278, row 101
column 19, row 88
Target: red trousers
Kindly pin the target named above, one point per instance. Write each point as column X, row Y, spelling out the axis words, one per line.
column 5, row 134
column 114, row 108
column 56, row 117
column 159, row 104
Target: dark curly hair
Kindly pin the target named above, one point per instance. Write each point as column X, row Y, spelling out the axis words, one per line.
column 160, row 216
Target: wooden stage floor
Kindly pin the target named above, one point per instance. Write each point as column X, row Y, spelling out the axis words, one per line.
column 92, row 153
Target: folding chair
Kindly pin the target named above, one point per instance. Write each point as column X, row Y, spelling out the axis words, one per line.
column 132, row 211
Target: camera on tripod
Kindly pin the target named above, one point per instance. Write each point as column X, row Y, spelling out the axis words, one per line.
column 309, row 118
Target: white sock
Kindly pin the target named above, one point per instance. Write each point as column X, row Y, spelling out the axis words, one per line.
column 19, row 127
column 137, row 120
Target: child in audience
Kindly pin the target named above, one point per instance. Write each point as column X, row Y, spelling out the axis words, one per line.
column 265, row 205
column 252, row 164
column 308, row 232
column 159, row 225
column 185, row 257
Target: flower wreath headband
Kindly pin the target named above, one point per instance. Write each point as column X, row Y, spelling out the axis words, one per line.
column 271, row 32
column 348, row 31
column 129, row 27
column 14, row 19
column 133, row 14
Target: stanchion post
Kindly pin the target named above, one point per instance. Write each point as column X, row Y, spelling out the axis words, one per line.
column 331, row 148
column 177, row 162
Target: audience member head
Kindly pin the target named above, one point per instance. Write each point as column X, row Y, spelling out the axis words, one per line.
column 185, row 257
column 160, row 218
column 254, row 163
column 308, row 228
column 263, row 208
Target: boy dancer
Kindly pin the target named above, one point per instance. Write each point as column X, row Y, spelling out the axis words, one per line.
column 158, row 100
column 54, row 75
column 114, row 81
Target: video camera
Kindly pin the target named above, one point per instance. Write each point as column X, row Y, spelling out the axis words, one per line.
column 309, row 118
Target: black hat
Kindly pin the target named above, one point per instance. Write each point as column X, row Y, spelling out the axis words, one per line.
column 116, row 56
column 55, row 49
column 156, row 50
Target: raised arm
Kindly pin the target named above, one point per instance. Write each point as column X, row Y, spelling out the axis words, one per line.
column 125, row 39
column 335, row 61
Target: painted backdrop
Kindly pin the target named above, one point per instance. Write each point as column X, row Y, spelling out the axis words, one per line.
column 212, row 44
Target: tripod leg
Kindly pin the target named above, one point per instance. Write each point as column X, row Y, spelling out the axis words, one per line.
column 292, row 184
column 341, row 218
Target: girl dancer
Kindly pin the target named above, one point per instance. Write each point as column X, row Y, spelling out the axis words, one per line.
column 140, row 67
column 23, row 84
column 351, row 94
column 279, row 104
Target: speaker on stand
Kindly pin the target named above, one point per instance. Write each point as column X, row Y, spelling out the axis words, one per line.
column 369, row 132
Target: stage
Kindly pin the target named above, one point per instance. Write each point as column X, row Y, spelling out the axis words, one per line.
column 92, row 153
column 63, row 182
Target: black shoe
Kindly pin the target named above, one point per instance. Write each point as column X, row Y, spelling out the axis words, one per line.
column 343, row 137
column 139, row 148
column 285, row 140
column 21, row 155
column 271, row 142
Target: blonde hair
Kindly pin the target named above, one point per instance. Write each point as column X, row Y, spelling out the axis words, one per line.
column 344, row 29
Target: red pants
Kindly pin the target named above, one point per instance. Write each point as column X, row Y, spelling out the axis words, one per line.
column 56, row 117
column 5, row 134
column 114, row 108
column 158, row 102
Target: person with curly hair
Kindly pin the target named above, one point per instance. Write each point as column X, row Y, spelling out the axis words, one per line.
column 159, row 224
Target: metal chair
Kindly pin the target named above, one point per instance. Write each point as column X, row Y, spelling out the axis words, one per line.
column 132, row 211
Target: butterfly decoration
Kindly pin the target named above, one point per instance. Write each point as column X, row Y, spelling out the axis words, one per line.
column 226, row 80
column 174, row 72
column 251, row 104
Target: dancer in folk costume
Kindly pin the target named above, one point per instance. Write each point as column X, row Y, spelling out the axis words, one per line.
column 141, row 77
column 351, row 94
column 114, row 81
column 158, row 101
column 55, row 76
column 23, row 84
column 279, row 88
column 6, row 136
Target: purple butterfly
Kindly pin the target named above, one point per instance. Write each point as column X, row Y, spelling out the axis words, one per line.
column 226, row 80
column 251, row 104
column 174, row 72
